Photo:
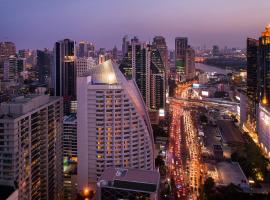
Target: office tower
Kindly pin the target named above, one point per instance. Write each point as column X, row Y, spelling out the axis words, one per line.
column 252, row 49
column 144, row 64
column 157, row 81
column 86, row 49
column 30, row 128
column 7, row 49
column 44, row 60
column 10, row 69
column 115, row 53
column 181, row 44
column 190, row 63
column 82, row 49
column 125, row 44
column 70, row 137
column 113, row 125
column 21, row 64
column 84, row 64
column 159, row 43
column 263, row 120
column 215, row 50
column 69, row 142
column 64, row 72
column 128, row 184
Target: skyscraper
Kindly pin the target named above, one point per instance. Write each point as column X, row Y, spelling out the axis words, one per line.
column 64, row 72
column 252, row 54
column 86, row 49
column 10, row 69
column 263, row 120
column 113, row 125
column 7, row 49
column 44, row 61
column 190, row 63
column 181, row 44
column 215, row 50
column 184, row 59
column 143, row 63
column 264, row 67
column 159, row 43
column 32, row 127
column 125, row 44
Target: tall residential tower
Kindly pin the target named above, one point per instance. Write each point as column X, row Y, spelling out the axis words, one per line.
column 113, row 125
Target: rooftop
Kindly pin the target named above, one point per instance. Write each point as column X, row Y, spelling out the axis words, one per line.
column 23, row 104
column 133, row 179
column 105, row 73
column 231, row 173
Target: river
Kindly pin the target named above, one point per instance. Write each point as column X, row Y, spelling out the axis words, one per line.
column 210, row 69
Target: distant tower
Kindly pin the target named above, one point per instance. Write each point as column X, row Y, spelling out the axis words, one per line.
column 181, row 45
column 125, row 44
column 190, row 63
column 7, row 49
column 159, row 42
column 64, row 71
column 113, row 125
column 143, row 63
column 215, row 51
column 44, row 61
column 252, row 54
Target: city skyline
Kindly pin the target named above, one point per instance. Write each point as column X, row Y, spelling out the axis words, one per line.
column 205, row 23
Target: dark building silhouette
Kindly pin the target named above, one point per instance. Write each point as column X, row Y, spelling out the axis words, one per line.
column 64, row 79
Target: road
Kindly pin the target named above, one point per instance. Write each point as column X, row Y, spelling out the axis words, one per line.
column 183, row 158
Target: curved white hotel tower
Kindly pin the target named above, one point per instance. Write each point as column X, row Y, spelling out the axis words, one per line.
column 113, row 125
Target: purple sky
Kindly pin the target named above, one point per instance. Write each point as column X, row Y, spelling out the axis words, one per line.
column 39, row 23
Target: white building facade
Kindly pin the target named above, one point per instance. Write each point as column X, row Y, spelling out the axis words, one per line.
column 113, row 125
column 84, row 64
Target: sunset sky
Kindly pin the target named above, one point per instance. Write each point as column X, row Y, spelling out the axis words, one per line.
column 39, row 23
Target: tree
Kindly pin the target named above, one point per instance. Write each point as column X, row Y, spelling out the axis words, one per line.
column 208, row 186
column 159, row 161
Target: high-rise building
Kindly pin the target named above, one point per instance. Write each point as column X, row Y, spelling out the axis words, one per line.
column 7, row 49
column 10, row 69
column 159, row 43
column 113, row 125
column 64, row 72
column 84, row 64
column 263, row 120
column 86, row 49
column 70, row 137
column 44, row 61
column 115, row 53
column 128, row 184
column 181, row 44
column 125, row 44
column 190, row 63
column 143, row 63
column 264, row 67
column 30, row 132
column 252, row 54
column 215, row 50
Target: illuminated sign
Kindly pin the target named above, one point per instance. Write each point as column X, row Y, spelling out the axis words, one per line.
column 196, row 85
column 161, row 112
column 205, row 93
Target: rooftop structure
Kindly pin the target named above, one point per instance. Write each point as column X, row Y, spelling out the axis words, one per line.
column 125, row 183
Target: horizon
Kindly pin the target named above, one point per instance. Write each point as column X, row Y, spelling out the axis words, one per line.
column 229, row 23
